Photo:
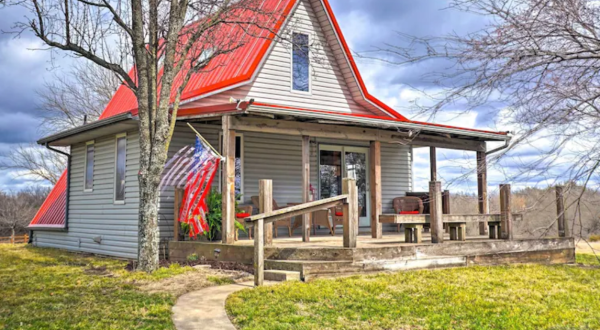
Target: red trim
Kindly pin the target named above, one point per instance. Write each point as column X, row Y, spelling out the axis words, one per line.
column 369, row 97
column 268, row 105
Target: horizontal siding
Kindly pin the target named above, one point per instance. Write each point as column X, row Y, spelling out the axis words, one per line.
column 329, row 90
column 94, row 214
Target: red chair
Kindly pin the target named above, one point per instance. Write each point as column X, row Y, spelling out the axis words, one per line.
column 408, row 205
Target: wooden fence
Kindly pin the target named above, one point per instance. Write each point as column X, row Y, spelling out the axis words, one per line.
column 15, row 239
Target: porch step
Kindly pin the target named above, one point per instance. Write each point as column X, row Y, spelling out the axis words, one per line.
column 281, row 275
column 311, row 269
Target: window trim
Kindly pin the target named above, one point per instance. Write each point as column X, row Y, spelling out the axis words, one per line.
column 309, row 92
column 87, row 144
column 117, row 137
column 241, row 136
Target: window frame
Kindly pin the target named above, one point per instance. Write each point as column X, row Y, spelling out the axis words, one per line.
column 117, row 137
column 85, row 174
column 241, row 136
column 309, row 39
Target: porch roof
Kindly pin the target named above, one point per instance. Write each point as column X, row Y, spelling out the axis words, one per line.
column 411, row 127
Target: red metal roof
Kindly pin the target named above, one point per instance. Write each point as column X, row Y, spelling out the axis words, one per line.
column 52, row 212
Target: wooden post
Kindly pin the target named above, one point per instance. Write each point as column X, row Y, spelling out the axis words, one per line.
column 265, row 200
column 228, row 182
column 306, row 186
column 506, row 226
column 482, row 194
column 259, row 252
column 176, row 206
column 435, row 209
column 433, row 163
column 375, row 183
column 563, row 226
column 350, row 213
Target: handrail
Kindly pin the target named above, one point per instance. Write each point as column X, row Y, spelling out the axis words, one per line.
column 349, row 202
column 296, row 210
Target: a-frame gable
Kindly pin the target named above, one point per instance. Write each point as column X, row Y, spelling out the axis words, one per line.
column 332, row 86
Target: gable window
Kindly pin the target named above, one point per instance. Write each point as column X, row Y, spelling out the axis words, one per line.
column 120, row 167
column 88, row 180
column 300, row 63
column 239, row 165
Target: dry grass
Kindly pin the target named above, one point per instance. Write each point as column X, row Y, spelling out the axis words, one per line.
column 54, row 289
column 200, row 278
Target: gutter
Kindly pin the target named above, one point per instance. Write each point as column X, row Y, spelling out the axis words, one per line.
column 506, row 143
column 83, row 128
column 68, row 189
column 386, row 124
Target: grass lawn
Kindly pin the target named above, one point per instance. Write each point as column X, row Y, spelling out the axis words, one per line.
column 52, row 289
column 501, row 297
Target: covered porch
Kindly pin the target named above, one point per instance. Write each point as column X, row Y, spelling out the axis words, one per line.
column 335, row 199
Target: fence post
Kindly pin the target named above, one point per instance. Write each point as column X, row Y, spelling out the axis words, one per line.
column 265, row 196
column 177, row 206
column 563, row 226
column 506, row 225
column 350, row 213
column 435, row 212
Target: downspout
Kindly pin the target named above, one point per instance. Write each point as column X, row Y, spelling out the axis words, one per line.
column 68, row 183
column 506, row 143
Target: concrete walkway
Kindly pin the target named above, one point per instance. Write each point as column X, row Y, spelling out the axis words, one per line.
column 205, row 309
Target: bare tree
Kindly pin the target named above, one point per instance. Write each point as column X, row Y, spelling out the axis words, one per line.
column 167, row 42
column 537, row 65
column 17, row 209
column 82, row 94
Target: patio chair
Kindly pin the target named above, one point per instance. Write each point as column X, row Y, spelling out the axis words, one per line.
column 337, row 215
column 321, row 218
column 245, row 211
column 408, row 205
column 281, row 223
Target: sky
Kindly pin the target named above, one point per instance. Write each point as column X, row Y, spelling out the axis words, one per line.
column 366, row 24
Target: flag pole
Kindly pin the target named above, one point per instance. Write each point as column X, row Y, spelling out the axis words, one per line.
column 204, row 140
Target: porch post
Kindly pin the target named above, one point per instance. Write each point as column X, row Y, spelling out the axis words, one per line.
column 482, row 194
column 435, row 212
column 265, row 203
column 563, row 226
column 375, row 183
column 306, row 186
column 506, row 225
column 228, row 182
column 433, row 163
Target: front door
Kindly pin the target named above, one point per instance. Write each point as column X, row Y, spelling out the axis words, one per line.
column 337, row 162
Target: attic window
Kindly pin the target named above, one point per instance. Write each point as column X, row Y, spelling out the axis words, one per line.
column 205, row 57
column 300, row 63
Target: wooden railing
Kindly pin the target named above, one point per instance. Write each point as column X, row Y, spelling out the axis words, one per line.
column 15, row 239
column 263, row 222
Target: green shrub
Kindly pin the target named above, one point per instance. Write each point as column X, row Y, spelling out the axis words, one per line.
column 594, row 238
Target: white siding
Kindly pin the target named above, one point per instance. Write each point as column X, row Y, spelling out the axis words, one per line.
column 329, row 90
column 94, row 214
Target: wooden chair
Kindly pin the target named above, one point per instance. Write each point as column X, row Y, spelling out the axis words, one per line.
column 408, row 205
column 321, row 218
column 282, row 223
column 337, row 215
column 245, row 210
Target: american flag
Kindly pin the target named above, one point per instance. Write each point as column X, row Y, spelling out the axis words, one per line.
column 193, row 169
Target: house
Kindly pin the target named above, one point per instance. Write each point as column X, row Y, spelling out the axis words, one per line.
column 301, row 120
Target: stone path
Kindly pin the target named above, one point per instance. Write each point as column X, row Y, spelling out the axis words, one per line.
column 205, row 309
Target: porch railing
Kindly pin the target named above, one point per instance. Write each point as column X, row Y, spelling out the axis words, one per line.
column 349, row 201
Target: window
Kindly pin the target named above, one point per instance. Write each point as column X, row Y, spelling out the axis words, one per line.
column 300, row 63
column 239, row 164
column 88, row 180
column 120, row 166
